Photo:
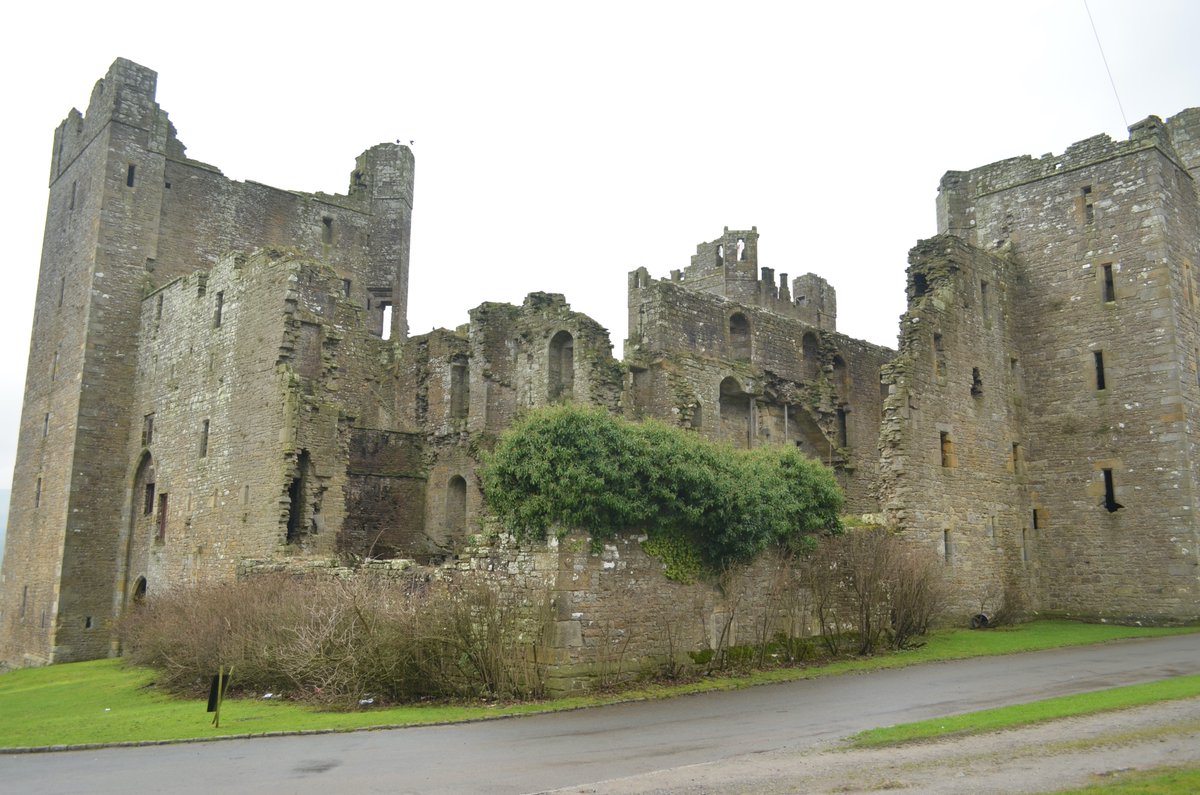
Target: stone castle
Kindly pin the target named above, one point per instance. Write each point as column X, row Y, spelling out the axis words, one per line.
column 221, row 371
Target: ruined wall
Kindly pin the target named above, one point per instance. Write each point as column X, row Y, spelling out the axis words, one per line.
column 1104, row 244
column 751, row 376
column 952, row 447
column 248, row 380
column 728, row 267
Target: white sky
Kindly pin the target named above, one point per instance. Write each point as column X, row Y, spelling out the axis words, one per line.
column 560, row 145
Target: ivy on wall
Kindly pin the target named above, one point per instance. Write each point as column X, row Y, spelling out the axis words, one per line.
column 703, row 505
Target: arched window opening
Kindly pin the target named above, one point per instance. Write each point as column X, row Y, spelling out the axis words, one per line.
column 735, row 413
column 562, row 367
column 739, row 336
column 697, row 418
column 460, row 389
column 741, row 249
column 143, row 484
column 456, row 505
column 139, row 591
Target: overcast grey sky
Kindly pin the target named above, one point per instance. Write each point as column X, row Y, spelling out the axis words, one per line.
column 560, row 145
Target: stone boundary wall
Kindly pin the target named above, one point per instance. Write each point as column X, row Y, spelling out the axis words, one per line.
column 613, row 615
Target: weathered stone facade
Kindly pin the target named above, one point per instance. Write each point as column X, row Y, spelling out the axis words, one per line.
column 220, row 372
column 1043, row 409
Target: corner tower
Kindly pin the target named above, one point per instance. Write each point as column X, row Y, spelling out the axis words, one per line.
column 128, row 213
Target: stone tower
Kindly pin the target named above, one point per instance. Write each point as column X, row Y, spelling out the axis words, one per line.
column 129, row 213
column 1042, row 428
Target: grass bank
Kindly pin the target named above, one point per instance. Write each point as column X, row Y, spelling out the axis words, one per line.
column 1181, row 781
column 1034, row 712
column 106, row 702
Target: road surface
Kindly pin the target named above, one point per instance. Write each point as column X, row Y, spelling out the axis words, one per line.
column 571, row 749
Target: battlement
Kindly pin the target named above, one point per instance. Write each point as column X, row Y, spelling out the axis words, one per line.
column 958, row 190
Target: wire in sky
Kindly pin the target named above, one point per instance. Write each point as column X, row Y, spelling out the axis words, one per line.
column 1103, row 58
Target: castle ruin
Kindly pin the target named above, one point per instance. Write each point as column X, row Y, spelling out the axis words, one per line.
column 221, row 371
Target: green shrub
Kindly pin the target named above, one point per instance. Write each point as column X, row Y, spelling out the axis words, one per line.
column 571, row 467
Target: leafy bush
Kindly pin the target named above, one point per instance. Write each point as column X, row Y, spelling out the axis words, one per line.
column 337, row 641
column 573, row 467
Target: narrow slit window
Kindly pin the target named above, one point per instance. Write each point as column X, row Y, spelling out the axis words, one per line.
column 1016, row 458
column 1110, row 289
column 158, row 307
column 983, row 301
column 327, row 230
column 148, row 504
column 148, row 429
column 1036, row 519
column 1110, row 493
column 129, row 175
column 74, row 189
column 37, row 494
column 1089, row 209
column 939, row 355
column 386, row 331
column 947, row 449
column 45, row 425
column 947, row 549
column 843, row 430
column 976, row 382
column 62, row 289
column 1098, row 357
column 1024, row 545
column 219, row 310
column 204, row 439
column 160, row 532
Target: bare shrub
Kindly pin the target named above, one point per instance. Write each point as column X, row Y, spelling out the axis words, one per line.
column 1011, row 607
column 868, row 586
column 337, row 641
column 917, row 595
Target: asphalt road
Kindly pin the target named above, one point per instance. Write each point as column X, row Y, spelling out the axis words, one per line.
column 543, row 752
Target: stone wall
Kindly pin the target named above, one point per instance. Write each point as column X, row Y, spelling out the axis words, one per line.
column 749, row 376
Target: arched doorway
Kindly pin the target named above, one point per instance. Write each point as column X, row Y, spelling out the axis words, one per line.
column 561, row 367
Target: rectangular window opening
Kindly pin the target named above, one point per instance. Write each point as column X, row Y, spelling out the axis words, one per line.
column 327, row 230
column 1024, row 545
column 346, row 287
column 983, row 301
column 386, row 330
column 946, row 548
column 148, row 504
column 148, row 429
column 1089, row 209
column 129, row 175
column 1036, row 519
column 843, row 431
column 87, row 622
column 24, row 600
column 1098, row 357
column 1110, row 290
column 1016, row 458
column 46, row 425
column 220, row 308
column 947, row 449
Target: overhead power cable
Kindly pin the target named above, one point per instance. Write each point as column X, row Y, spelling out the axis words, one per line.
column 1099, row 46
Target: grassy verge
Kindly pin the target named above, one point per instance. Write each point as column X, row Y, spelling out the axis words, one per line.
column 1034, row 712
column 1180, row 781
column 105, row 702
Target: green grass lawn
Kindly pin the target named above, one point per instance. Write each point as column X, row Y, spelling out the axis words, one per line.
column 1034, row 712
column 1182, row 781
column 106, row 702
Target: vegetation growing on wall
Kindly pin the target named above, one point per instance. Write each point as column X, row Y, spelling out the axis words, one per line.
column 571, row 467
